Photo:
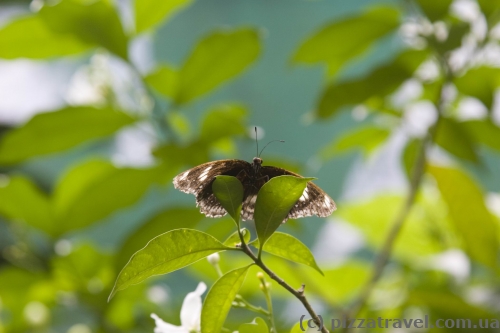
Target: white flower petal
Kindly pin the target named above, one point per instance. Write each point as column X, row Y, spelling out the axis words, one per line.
column 163, row 327
column 191, row 308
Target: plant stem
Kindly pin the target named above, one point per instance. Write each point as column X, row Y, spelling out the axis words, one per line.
column 251, row 307
column 298, row 293
column 269, row 302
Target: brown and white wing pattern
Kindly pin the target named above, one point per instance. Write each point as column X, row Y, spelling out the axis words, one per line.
column 198, row 181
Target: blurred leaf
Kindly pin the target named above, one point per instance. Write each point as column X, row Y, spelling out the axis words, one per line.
column 39, row 43
column 20, row 199
column 51, row 132
column 288, row 247
column 179, row 123
column 334, row 44
column 220, row 298
column 410, row 154
column 489, row 7
column 485, row 132
column 191, row 154
column 456, row 34
column 274, row 201
column 217, row 58
column 453, row 137
column 480, row 83
column 164, row 80
column 234, row 238
column 94, row 23
column 435, row 10
column 258, row 325
column 307, row 329
column 95, row 189
column 469, row 214
column 380, row 82
column 149, row 13
column 223, row 121
column 367, row 138
column 167, row 253
column 229, row 192
column 170, row 219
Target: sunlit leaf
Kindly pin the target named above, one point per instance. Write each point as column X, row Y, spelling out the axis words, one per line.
column 435, row 10
column 485, row 132
column 229, row 192
column 150, row 13
column 164, row 80
column 452, row 136
column 334, row 44
column 55, row 131
column 480, row 83
column 274, row 201
column 217, row 58
column 469, row 214
column 220, row 298
column 167, row 253
column 409, row 156
column 367, row 138
column 288, row 247
column 40, row 43
column 380, row 82
column 258, row 325
column 234, row 238
column 94, row 23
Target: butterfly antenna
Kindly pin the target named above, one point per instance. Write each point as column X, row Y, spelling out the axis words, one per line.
column 256, row 141
column 268, row 145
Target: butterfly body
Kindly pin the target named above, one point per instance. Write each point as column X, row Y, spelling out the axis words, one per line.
column 198, row 181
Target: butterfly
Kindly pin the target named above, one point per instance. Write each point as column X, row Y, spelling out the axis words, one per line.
column 198, row 181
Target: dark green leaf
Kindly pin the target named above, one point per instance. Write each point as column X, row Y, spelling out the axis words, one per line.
column 288, row 247
column 378, row 84
column 258, row 325
column 229, row 192
column 410, row 154
column 164, row 80
column 167, row 253
column 469, row 214
column 489, row 7
column 217, row 58
column 485, row 132
column 435, row 10
column 453, row 41
column 452, row 136
column 480, row 83
column 149, row 13
column 51, row 132
column 220, row 298
column 334, row 44
column 95, row 23
column 274, row 201
column 39, row 43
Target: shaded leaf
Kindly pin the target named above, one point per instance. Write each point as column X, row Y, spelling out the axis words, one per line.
column 435, row 10
column 454, row 40
column 454, row 138
column 150, row 13
column 258, row 325
column 220, row 298
column 469, row 214
column 334, row 44
column 274, row 201
column 164, row 80
column 489, row 7
column 55, row 131
column 234, row 238
column 229, row 192
column 223, row 121
column 217, row 58
column 480, row 83
column 288, row 247
column 485, row 132
column 167, row 253
column 380, row 82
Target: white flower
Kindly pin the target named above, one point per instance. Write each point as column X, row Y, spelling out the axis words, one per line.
column 190, row 314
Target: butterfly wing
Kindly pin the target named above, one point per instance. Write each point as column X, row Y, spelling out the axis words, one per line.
column 198, row 181
column 314, row 201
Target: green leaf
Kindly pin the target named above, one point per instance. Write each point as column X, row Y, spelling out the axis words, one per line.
column 229, row 191
column 367, row 138
column 435, row 10
column 39, row 43
column 258, row 325
column 217, row 58
column 150, row 13
column 95, row 189
column 274, row 201
column 164, row 80
column 489, row 7
column 220, row 298
column 484, row 131
column 167, row 253
column 21, row 200
column 334, row 44
column 410, row 154
column 288, row 247
column 380, row 82
column 168, row 220
column 469, row 214
column 223, row 121
column 456, row 34
column 480, row 83
column 55, row 131
column 234, row 238
column 95, row 23
column 454, row 138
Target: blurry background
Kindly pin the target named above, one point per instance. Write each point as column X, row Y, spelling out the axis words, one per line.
column 103, row 102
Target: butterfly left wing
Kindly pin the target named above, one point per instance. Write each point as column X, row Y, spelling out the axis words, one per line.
column 314, row 201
